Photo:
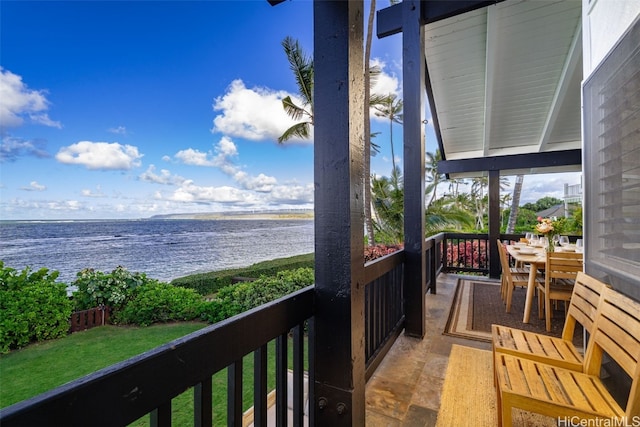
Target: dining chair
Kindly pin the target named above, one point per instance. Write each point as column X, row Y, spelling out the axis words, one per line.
column 560, row 274
column 511, row 276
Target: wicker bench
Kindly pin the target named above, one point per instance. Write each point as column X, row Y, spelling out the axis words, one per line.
column 559, row 392
column 587, row 294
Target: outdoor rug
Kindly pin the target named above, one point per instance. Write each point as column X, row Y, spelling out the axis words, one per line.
column 469, row 397
column 477, row 305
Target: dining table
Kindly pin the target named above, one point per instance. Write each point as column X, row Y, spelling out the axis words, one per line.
column 536, row 258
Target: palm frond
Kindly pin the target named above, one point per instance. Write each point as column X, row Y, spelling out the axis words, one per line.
column 292, row 110
column 301, row 130
column 302, row 67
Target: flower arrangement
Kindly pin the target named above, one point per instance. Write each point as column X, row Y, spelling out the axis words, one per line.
column 548, row 227
column 545, row 226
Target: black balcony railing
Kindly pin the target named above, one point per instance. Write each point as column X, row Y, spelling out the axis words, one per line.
column 384, row 313
column 146, row 384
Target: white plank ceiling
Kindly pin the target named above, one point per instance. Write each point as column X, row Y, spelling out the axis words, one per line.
column 506, row 79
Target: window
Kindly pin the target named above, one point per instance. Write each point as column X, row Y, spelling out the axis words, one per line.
column 611, row 98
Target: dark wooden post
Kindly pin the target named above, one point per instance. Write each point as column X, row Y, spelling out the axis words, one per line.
column 494, row 223
column 413, row 75
column 338, row 329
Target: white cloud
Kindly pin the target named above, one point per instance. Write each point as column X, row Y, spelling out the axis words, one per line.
column 11, row 148
column 292, row 194
column 189, row 192
column 222, row 157
column 385, row 83
column 34, row 186
column 89, row 193
column 194, row 157
column 120, row 130
column 165, row 177
column 100, row 155
column 64, row 205
column 20, row 102
column 255, row 114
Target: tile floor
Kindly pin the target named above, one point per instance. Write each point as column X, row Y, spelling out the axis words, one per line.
column 406, row 388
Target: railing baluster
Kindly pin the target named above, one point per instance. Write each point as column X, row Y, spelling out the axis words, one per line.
column 202, row 410
column 234, row 394
column 282, row 381
column 298, row 376
column 161, row 416
column 260, row 386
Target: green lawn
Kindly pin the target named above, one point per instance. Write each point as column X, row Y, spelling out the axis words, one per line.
column 42, row 366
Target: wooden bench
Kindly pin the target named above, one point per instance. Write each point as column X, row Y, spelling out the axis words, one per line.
column 564, row 393
column 587, row 294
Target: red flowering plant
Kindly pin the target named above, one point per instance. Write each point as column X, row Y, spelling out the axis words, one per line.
column 468, row 254
column 378, row 251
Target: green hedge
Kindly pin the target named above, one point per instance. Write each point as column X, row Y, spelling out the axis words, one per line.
column 235, row 299
column 33, row 307
column 210, row 283
column 160, row 302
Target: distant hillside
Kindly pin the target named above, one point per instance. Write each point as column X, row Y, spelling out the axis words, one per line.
column 281, row 214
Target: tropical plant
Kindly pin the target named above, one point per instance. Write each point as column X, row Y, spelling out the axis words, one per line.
column 542, row 204
column 95, row 288
column 33, row 307
column 444, row 214
column 232, row 300
column 432, row 176
column 480, row 197
column 302, row 67
column 388, row 203
column 390, row 107
column 160, row 302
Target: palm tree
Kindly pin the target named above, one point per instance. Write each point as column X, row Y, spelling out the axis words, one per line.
column 368, row 222
column 302, row 67
column 445, row 214
column 390, row 108
column 431, row 174
column 481, row 198
column 388, row 202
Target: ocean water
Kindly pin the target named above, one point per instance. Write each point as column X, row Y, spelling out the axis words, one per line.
column 162, row 249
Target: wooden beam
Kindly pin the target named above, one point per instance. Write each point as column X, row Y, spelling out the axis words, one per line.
column 414, row 158
column 338, row 331
column 494, row 224
column 515, row 161
column 389, row 20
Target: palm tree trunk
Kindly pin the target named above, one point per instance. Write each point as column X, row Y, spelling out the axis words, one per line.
column 368, row 222
column 515, row 204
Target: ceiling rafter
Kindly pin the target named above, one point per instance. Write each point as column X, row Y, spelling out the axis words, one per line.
column 573, row 60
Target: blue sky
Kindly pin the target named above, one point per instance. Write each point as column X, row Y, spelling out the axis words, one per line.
column 123, row 109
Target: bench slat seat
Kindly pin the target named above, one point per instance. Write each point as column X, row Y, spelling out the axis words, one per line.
column 552, row 391
column 556, row 351
column 559, row 392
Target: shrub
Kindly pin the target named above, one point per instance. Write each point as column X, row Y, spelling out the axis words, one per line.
column 211, row 282
column 112, row 289
column 33, row 307
column 235, row 299
column 378, row 251
column 159, row 302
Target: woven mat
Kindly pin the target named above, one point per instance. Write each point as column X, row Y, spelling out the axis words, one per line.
column 468, row 394
column 477, row 305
